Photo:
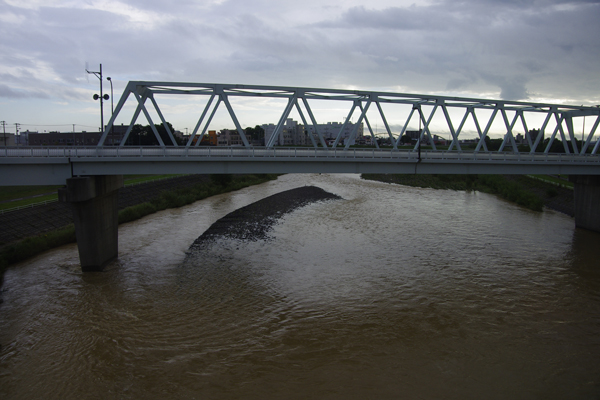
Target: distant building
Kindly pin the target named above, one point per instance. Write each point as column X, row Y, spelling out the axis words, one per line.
column 292, row 133
column 210, row 138
column 229, row 137
column 413, row 135
column 520, row 139
column 331, row 130
column 533, row 134
column 76, row 138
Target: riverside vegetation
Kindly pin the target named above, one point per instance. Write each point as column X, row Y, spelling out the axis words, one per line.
column 218, row 184
column 514, row 189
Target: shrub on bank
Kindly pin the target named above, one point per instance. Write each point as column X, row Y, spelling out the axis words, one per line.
column 494, row 184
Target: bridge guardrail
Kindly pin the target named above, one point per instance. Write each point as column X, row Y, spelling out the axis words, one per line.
column 408, row 155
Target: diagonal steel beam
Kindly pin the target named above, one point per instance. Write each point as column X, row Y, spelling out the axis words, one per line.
column 310, row 135
column 397, row 141
column 487, row 128
column 426, row 128
column 452, row 131
column 339, row 135
column 120, row 104
column 206, row 108
column 462, row 124
column 162, row 118
column 314, row 122
column 387, row 127
column 360, row 119
column 235, row 120
column 569, row 121
column 282, row 119
column 542, row 132
column 589, row 138
column 509, row 134
column 370, row 129
column 212, row 114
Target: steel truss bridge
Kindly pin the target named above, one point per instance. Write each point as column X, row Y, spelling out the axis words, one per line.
column 45, row 165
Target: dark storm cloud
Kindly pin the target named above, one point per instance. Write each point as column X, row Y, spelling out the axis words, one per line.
column 508, row 49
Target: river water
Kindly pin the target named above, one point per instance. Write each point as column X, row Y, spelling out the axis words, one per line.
column 392, row 292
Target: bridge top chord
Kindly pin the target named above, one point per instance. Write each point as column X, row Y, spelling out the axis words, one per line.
column 481, row 114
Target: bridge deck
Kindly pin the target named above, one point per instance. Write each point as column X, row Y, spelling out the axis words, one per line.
column 53, row 165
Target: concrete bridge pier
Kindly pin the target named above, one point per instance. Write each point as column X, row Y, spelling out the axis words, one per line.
column 587, row 201
column 95, row 213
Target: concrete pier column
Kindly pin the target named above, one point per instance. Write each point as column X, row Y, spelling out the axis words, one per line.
column 95, row 213
column 587, row 201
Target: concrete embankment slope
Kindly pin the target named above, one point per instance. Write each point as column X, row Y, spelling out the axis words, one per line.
column 20, row 224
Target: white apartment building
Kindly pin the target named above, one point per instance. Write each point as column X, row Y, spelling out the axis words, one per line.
column 295, row 134
column 229, row 137
column 330, row 131
column 292, row 134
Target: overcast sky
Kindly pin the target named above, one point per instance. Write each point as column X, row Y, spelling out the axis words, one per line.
column 510, row 49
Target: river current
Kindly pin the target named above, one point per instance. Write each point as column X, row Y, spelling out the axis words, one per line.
column 391, row 292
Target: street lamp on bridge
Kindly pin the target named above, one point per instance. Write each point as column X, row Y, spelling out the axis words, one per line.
column 98, row 75
column 112, row 108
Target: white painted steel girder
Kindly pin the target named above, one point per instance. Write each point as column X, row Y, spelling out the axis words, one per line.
column 563, row 114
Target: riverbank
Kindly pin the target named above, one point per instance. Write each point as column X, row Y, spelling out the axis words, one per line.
column 27, row 233
column 523, row 190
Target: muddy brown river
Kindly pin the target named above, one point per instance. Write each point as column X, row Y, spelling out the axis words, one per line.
column 391, row 292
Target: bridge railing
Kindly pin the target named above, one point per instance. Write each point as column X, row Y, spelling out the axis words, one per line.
column 305, row 153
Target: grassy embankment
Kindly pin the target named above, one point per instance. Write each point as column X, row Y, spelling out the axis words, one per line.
column 494, row 184
column 33, row 246
column 19, row 196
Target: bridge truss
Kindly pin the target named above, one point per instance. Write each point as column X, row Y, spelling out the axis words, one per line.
column 557, row 119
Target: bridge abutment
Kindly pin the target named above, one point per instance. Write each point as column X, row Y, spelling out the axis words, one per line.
column 95, row 214
column 587, row 201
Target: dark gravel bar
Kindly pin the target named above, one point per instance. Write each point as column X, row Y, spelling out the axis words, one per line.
column 252, row 223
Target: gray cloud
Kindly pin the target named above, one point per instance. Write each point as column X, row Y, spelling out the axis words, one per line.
column 508, row 49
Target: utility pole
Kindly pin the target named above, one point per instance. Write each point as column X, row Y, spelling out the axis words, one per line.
column 4, row 128
column 17, row 132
